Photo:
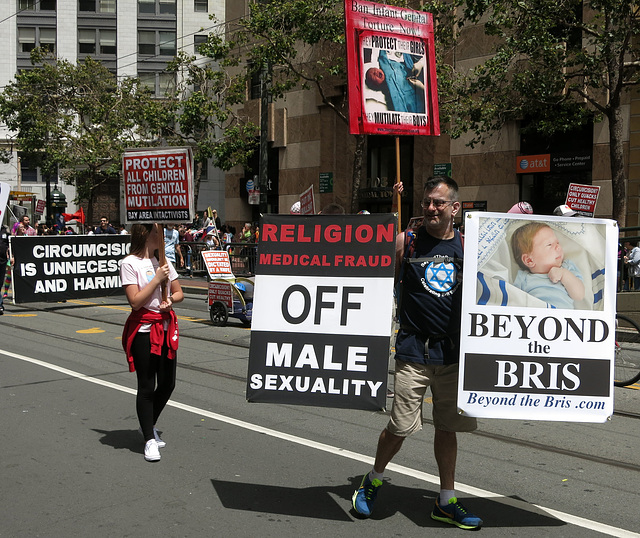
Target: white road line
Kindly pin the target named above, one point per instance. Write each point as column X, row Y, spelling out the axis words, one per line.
column 432, row 479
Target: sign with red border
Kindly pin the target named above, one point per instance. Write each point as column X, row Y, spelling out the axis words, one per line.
column 583, row 198
column 307, row 202
column 391, row 69
column 158, row 185
column 221, row 292
column 217, row 262
column 40, row 207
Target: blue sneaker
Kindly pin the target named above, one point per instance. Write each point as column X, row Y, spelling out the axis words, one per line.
column 455, row 514
column 364, row 497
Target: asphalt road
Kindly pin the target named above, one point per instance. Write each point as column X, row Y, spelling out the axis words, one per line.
column 72, row 462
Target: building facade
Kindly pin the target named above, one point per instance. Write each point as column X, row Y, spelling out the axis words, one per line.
column 310, row 146
column 131, row 38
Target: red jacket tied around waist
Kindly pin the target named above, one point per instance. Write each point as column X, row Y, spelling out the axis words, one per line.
column 137, row 318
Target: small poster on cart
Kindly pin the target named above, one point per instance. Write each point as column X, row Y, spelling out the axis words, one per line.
column 538, row 317
column 322, row 311
column 158, row 185
column 217, row 263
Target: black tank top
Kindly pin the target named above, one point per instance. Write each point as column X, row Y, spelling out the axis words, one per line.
column 431, row 300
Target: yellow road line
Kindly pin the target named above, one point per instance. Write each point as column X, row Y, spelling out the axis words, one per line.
column 126, row 309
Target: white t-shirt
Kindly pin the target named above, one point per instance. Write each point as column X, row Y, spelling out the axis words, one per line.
column 140, row 271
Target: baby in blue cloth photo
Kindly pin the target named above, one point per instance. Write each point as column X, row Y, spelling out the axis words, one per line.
column 544, row 273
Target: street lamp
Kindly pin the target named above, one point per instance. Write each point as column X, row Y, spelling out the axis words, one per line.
column 57, row 205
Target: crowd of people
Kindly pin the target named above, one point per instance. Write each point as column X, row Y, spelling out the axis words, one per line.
column 628, row 267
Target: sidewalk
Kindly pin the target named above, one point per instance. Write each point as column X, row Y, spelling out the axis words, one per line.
column 197, row 285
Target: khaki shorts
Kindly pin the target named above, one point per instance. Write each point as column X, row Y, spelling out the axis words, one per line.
column 411, row 382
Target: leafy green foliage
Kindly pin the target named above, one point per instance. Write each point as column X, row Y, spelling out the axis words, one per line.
column 201, row 107
column 559, row 63
column 75, row 120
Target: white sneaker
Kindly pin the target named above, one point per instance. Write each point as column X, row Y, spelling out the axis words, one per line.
column 156, row 435
column 151, row 452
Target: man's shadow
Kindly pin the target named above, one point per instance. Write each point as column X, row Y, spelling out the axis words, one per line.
column 334, row 503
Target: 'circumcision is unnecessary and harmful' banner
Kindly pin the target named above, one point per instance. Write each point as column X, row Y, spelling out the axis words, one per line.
column 391, row 70
column 158, row 185
column 62, row 267
column 538, row 318
column 322, row 311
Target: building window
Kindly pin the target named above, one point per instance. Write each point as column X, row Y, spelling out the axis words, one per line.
column 166, row 83
column 148, row 80
column 167, row 45
column 48, row 39
column 97, row 6
column 26, row 39
column 158, row 83
column 254, row 85
column 201, row 6
column 34, row 5
column 157, row 7
column 28, row 172
column 204, row 170
column 147, row 6
column 167, row 7
column 158, row 43
column 30, row 38
column 146, row 42
column 197, row 41
column 105, row 39
column 87, row 41
column 107, row 42
column 376, row 190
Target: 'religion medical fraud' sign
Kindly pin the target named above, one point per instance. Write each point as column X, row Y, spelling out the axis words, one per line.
column 158, row 185
column 62, row 267
column 391, row 70
column 322, row 311
column 538, row 317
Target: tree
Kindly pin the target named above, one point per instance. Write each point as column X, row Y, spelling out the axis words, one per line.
column 199, row 111
column 557, row 62
column 303, row 45
column 301, row 42
column 75, row 120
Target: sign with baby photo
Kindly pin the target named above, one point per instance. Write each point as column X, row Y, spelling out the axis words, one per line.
column 538, row 317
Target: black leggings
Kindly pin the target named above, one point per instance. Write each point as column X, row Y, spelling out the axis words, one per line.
column 150, row 401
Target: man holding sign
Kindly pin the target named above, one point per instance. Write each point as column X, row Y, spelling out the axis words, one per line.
column 429, row 269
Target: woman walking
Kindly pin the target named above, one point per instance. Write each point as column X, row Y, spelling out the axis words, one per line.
column 150, row 336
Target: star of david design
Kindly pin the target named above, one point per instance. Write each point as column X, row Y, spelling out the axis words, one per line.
column 441, row 276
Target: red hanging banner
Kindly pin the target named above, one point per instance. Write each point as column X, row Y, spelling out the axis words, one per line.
column 391, row 70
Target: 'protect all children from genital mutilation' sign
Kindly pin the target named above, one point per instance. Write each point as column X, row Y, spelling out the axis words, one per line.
column 158, row 185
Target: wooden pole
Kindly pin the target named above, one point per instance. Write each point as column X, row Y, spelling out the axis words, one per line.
column 397, row 180
column 162, row 260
